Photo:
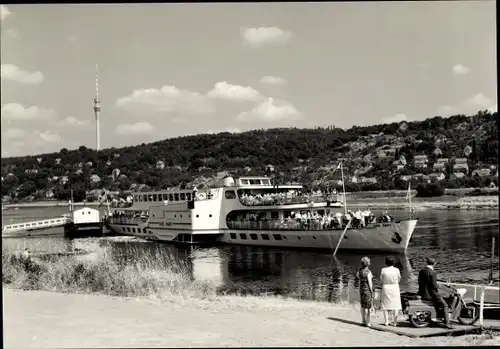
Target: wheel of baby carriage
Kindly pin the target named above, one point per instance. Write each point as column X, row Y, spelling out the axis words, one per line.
column 469, row 314
column 420, row 319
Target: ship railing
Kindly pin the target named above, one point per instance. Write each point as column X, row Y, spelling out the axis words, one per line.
column 479, row 292
column 295, row 224
column 278, row 200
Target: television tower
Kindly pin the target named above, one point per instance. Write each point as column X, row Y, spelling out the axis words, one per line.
column 97, row 108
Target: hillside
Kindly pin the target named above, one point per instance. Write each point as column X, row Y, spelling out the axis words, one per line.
column 378, row 157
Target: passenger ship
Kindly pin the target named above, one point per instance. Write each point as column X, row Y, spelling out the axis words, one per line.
column 252, row 211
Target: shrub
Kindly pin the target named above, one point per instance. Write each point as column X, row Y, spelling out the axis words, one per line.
column 429, row 190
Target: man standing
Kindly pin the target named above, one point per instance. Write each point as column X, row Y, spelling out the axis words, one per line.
column 428, row 289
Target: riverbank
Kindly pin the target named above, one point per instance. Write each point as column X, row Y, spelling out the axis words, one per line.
column 50, row 320
column 442, row 203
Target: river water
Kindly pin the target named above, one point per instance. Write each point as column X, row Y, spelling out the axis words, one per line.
column 460, row 241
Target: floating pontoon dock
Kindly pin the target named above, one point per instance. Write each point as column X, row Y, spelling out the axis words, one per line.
column 13, row 229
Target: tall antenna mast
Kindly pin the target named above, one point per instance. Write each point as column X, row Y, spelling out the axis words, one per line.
column 97, row 108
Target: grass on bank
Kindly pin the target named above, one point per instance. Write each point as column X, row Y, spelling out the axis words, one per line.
column 154, row 274
column 135, row 273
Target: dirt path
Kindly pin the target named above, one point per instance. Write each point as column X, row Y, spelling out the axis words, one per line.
column 45, row 319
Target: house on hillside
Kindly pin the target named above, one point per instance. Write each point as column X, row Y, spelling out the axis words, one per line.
column 406, row 178
column 58, row 161
column 160, row 165
column 382, row 153
column 31, row 171
column 438, row 139
column 437, row 152
column 269, row 168
column 457, row 175
column 354, row 179
column 460, row 165
column 461, row 168
column 437, row 176
column 483, row 172
column 398, row 165
column 467, row 150
column 420, row 161
column 371, row 180
column 439, row 166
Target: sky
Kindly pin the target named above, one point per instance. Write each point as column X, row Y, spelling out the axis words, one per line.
column 168, row 70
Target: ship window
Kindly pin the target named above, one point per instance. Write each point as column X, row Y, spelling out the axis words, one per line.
column 275, row 215
column 299, row 238
column 233, row 236
column 243, row 236
column 244, row 181
column 210, row 215
column 255, row 181
column 277, row 236
column 265, row 237
column 197, row 215
column 230, row 194
column 176, row 196
column 133, row 230
column 145, row 198
column 183, row 196
column 181, row 216
column 144, row 230
column 286, row 214
column 188, row 196
column 155, row 197
column 314, row 237
column 160, row 197
column 170, row 197
column 254, row 237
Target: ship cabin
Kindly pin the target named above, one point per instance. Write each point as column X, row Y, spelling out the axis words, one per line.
column 259, row 191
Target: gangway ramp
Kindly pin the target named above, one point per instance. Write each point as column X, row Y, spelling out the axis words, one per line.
column 12, row 230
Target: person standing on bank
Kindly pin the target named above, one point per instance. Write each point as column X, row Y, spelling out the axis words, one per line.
column 365, row 290
column 428, row 289
column 391, row 297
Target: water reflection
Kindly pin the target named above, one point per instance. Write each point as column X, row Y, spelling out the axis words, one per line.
column 459, row 241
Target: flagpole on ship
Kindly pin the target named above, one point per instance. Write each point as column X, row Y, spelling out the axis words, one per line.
column 409, row 197
column 343, row 188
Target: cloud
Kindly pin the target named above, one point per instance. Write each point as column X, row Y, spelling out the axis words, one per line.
column 479, row 101
column 50, row 137
column 137, row 128
column 460, row 70
column 272, row 80
column 224, row 90
column 166, row 99
column 258, row 37
column 269, row 111
column 4, row 12
column 470, row 106
column 72, row 121
column 13, row 133
column 13, row 73
column 16, row 111
column 395, row 118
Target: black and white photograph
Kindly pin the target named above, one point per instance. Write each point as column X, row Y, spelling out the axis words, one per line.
column 254, row 174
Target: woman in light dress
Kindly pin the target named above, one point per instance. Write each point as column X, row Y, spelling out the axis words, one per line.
column 365, row 290
column 391, row 298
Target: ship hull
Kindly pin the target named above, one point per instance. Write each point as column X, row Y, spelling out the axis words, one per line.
column 391, row 237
